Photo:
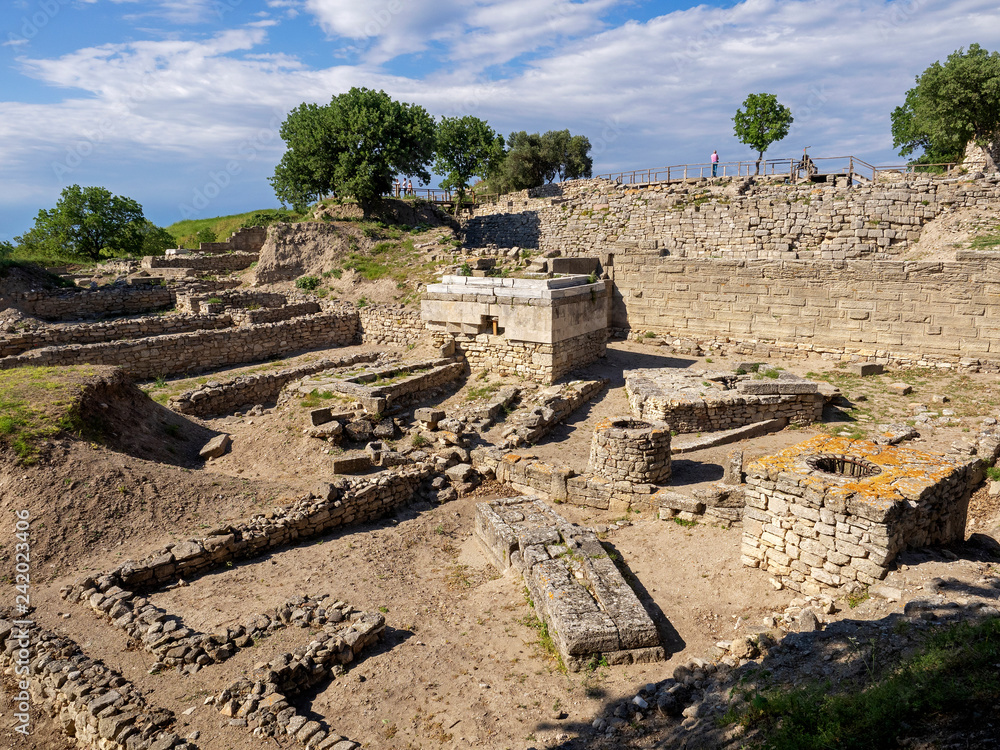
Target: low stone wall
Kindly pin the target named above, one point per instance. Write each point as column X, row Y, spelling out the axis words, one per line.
column 543, row 363
column 202, row 350
column 345, row 501
column 829, row 512
column 226, row 262
column 274, row 314
column 624, row 449
column 705, row 402
column 195, row 302
column 544, row 410
column 263, row 698
column 115, row 330
column 117, row 300
column 93, row 704
column 405, row 381
column 562, row 485
column 591, row 611
column 255, row 388
column 391, row 324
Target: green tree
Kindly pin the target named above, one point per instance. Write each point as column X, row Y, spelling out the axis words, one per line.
column 761, row 121
column 88, row 222
column 466, row 147
column 951, row 105
column 567, row 156
column 355, row 145
column 306, row 170
column 155, row 240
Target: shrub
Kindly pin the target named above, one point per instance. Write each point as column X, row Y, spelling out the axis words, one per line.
column 307, row 282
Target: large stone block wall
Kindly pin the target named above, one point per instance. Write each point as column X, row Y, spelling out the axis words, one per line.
column 899, row 313
column 202, row 350
column 725, row 218
column 544, row 363
column 93, row 333
column 391, row 324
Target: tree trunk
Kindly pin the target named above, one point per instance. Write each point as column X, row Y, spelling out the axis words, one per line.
column 760, row 157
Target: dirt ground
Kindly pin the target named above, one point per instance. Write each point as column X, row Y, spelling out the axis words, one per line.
column 461, row 664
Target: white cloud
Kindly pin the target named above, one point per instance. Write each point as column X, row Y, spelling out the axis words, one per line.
column 646, row 93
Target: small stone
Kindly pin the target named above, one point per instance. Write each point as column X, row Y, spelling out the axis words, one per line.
column 901, row 389
column 215, row 447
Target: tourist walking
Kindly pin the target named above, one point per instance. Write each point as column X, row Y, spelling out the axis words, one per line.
column 715, row 163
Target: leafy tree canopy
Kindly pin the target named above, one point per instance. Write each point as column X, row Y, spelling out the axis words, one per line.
column 88, row 222
column 466, row 147
column 534, row 159
column 761, row 121
column 354, row 146
column 951, row 105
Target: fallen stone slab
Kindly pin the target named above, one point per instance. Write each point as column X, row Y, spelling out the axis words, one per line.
column 901, row 389
column 216, row 447
column 576, row 588
column 352, row 464
column 722, row 437
column 891, row 434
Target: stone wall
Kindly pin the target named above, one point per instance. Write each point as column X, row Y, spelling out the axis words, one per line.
column 222, row 263
column 202, row 350
column 544, row 363
column 897, row 313
column 117, row 300
column 831, row 512
column 255, row 388
column 391, row 324
column 343, row 502
column 116, row 330
column 243, row 240
column 197, row 302
column 93, row 704
column 705, row 402
column 725, row 218
column 274, row 314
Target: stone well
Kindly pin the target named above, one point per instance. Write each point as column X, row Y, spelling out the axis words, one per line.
column 831, row 511
column 631, row 450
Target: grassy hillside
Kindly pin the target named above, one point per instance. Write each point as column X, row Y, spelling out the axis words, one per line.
column 218, row 228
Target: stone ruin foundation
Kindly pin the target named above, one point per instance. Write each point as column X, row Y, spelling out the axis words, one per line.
column 630, row 450
column 833, row 512
column 704, row 401
column 576, row 588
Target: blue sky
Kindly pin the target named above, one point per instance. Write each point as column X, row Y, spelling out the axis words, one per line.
column 177, row 103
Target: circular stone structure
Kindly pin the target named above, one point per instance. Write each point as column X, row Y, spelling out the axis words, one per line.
column 631, row 450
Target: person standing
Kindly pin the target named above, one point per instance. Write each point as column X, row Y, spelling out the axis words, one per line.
column 715, row 163
column 409, row 187
column 397, row 188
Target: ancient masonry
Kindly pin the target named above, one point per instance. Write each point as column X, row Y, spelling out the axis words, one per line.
column 830, row 511
column 775, row 268
column 540, row 328
column 630, row 450
column 704, row 401
column 591, row 611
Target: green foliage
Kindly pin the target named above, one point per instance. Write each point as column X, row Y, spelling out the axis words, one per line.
column 87, row 222
column 951, row 105
column 466, row 147
column 355, row 146
column 6, row 250
column 155, row 240
column 534, row 159
column 465, row 270
column 953, row 674
column 993, row 473
column 266, row 218
column 307, row 282
column 761, row 121
column 205, row 235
